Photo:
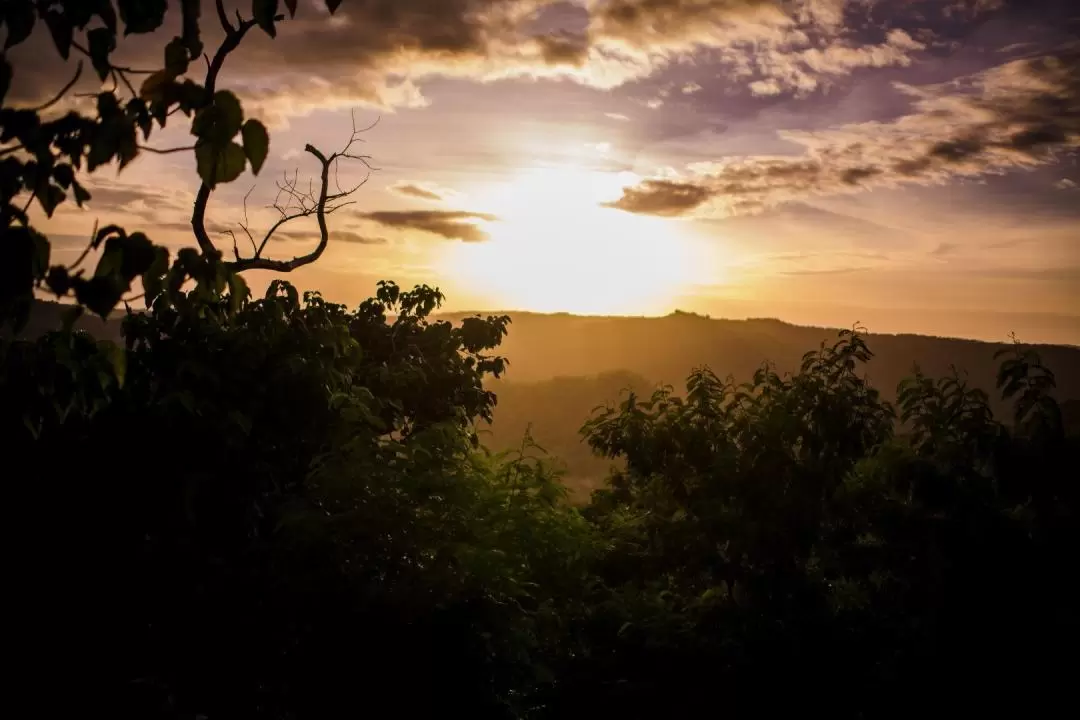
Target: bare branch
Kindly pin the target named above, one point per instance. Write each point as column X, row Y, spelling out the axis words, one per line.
column 166, row 151
column 292, row 204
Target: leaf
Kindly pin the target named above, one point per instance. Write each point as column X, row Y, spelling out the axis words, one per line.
column 142, row 16
column 264, row 12
column 61, row 31
column 154, row 85
column 153, row 278
column 117, row 357
column 291, row 6
column 49, row 196
column 99, row 294
column 102, row 42
column 176, row 58
column 238, row 292
column 64, row 175
column 256, row 144
column 231, row 113
column 333, row 5
column 19, row 20
column 220, row 164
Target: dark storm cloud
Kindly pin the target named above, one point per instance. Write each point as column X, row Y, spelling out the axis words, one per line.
column 450, row 224
column 1021, row 114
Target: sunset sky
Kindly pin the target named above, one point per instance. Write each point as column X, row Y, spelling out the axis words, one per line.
column 911, row 164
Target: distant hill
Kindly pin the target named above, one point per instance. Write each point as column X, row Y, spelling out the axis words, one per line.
column 47, row 316
column 562, row 366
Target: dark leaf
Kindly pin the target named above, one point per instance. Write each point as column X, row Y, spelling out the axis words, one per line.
column 176, row 58
column 102, row 42
column 142, row 16
column 64, row 175
column 291, row 5
column 61, row 30
column 154, row 277
column 256, row 144
column 50, row 196
column 154, row 85
column 19, row 19
column 333, row 5
column 100, row 294
column 220, row 164
column 58, row 280
column 238, row 292
column 264, row 12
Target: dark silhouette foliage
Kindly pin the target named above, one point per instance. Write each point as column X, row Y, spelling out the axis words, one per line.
column 279, row 507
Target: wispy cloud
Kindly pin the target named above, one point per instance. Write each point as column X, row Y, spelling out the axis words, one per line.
column 449, row 224
column 1021, row 114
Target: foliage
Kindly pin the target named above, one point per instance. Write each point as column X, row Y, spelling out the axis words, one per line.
column 47, row 148
column 279, row 508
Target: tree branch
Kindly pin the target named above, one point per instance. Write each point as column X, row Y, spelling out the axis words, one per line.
column 300, row 205
column 233, row 36
column 64, row 91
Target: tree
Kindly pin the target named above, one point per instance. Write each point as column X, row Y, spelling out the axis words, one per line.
column 45, row 151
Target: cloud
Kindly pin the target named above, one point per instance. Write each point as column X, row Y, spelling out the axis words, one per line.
column 1021, row 114
column 420, row 190
column 450, row 224
column 379, row 52
column 617, row 116
column 1066, row 184
column 345, row 236
column 662, row 197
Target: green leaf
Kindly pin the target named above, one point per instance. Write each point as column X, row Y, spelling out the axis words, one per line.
column 117, row 357
column 217, row 164
column 256, row 144
column 176, row 58
column 102, row 42
column 238, row 292
column 264, row 12
column 61, row 31
column 142, row 16
column 153, row 279
column 19, row 20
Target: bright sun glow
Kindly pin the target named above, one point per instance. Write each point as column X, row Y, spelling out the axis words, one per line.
column 555, row 249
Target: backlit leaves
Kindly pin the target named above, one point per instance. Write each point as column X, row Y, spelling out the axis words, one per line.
column 256, row 144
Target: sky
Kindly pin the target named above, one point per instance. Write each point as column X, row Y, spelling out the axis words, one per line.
column 908, row 164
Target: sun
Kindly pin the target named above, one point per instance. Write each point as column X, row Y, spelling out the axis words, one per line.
column 556, row 248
